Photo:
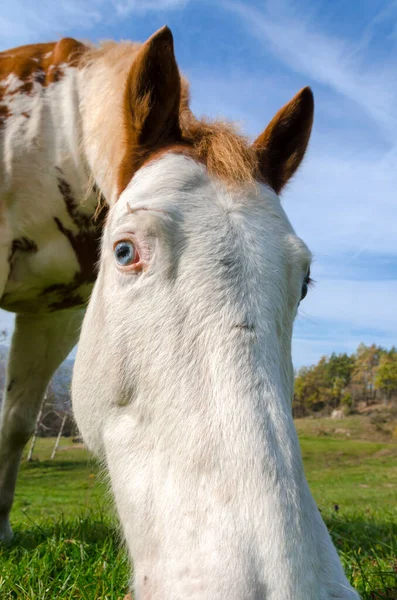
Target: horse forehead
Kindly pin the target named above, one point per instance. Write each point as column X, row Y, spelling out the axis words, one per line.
column 249, row 225
column 179, row 182
column 166, row 176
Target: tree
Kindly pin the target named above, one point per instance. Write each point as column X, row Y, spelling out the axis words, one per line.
column 386, row 374
column 341, row 379
column 338, row 373
column 311, row 391
column 363, row 376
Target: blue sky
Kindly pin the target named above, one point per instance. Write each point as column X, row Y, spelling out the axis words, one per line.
column 246, row 59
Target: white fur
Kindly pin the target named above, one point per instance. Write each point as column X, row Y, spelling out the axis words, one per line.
column 189, row 409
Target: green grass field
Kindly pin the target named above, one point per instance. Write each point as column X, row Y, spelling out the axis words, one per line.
column 66, row 542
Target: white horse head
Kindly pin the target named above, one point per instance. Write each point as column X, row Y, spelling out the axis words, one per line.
column 183, row 379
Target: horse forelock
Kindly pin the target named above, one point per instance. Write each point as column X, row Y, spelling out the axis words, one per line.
column 224, row 151
column 226, row 154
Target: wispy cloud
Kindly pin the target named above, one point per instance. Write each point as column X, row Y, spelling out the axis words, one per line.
column 23, row 22
column 124, row 7
column 299, row 43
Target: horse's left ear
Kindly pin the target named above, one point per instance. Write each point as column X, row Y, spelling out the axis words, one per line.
column 282, row 146
column 151, row 103
column 153, row 92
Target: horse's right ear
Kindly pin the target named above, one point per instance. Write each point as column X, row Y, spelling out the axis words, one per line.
column 282, row 146
column 153, row 92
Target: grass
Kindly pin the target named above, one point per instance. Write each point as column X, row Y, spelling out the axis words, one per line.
column 66, row 542
column 381, row 426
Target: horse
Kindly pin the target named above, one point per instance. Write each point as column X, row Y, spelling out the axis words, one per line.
column 183, row 378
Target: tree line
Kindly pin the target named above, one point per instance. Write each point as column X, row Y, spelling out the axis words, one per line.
column 343, row 381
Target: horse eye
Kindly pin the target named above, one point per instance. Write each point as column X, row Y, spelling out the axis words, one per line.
column 305, row 286
column 124, row 253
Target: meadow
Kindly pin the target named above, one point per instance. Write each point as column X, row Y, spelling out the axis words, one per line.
column 67, row 544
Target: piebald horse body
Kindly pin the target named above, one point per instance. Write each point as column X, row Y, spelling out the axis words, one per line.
column 183, row 378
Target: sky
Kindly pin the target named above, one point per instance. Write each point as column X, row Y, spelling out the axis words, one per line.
column 244, row 60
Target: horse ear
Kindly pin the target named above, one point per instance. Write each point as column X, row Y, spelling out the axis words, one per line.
column 282, row 146
column 153, row 91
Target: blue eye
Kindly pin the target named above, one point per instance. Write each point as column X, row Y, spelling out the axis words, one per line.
column 124, row 253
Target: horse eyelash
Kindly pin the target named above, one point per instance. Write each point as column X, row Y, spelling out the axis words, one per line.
column 310, row 282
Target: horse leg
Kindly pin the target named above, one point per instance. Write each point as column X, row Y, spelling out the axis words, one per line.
column 5, row 246
column 39, row 345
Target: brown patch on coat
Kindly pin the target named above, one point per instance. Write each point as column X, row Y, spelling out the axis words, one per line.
column 25, row 88
column 38, row 63
column 85, row 240
column 23, row 244
column 5, row 114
